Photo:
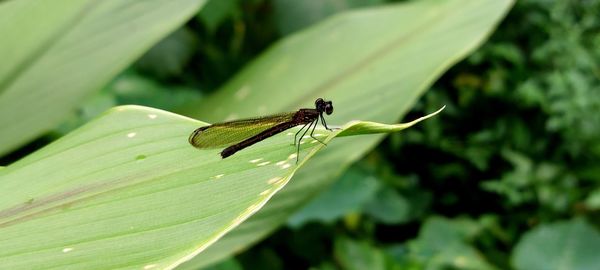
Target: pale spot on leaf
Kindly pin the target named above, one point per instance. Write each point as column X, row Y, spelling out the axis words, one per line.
column 262, row 109
column 231, row 117
column 66, row 250
column 218, row 176
column 152, row 116
column 279, row 67
column 460, row 261
column 256, row 160
column 273, row 180
column 334, row 36
column 131, row 134
column 243, row 92
column 263, row 163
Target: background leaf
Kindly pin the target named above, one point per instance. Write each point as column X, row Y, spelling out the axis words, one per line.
column 216, row 11
column 442, row 244
column 389, row 207
column 356, row 255
column 373, row 64
column 170, row 56
column 47, row 66
column 561, row 245
column 345, row 196
column 593, row 200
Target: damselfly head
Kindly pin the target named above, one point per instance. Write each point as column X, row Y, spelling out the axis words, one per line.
column 324, row 106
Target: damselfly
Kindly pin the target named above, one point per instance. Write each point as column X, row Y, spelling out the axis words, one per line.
column 239, row 134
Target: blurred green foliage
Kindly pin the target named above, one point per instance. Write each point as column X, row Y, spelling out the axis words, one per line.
column 568, row 245
column 510, row 167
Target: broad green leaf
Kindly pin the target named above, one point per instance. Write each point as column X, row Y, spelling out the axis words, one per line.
column 389, row 207
column 569, row 245
column 347, row 195
column 132, row 88
column 353, row 255
column 169, row 57
column 216, row 11
column 230, row 264
column 130, row 183
column 593, row 200
column 442, row 245
column 71, row 48
column 373, row 63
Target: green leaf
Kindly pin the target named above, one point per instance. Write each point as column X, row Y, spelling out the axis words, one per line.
column 170, row 56
column 132, row 88
column 373, row 63
column 356, row 255
column 389, row 207
column 348, row 194
column 593, row 200
column 230, row 264
column 570, row 245
column 216, row 11
column 130, row 183
column 127, row 88
column 86, row 111
column 72, row 48
column 442, row 245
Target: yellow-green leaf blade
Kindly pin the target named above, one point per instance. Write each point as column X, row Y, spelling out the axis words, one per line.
column 128, row 191
column 71, row 48
column 125, row 191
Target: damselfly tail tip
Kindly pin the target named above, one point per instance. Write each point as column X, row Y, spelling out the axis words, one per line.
column 228, row 152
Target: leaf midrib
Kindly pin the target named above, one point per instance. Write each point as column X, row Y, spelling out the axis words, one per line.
column 365, row 62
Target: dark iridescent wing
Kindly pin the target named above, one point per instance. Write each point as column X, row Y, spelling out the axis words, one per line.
column 228, row 133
